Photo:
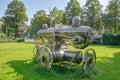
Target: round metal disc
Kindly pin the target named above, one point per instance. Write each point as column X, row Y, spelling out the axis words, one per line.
column 44, row 57
column 89, row 61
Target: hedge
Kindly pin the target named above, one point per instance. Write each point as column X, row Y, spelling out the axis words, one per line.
column 20, row 40
column 6, row 40
column 111, row 39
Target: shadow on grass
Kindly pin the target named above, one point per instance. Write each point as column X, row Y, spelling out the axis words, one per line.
column 29, row 70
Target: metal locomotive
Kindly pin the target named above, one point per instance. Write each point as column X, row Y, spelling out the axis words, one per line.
column 55, row 42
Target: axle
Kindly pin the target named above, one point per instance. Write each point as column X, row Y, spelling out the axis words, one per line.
column 71, row 56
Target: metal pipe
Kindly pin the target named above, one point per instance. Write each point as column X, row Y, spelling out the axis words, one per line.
column 71, row 56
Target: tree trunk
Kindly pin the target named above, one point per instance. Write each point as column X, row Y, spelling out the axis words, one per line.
column 115, row 29
column 16, row 32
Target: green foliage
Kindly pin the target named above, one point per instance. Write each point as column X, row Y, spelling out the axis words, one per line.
column 113, row 13
column 111, row 39
column 107, row 22
column 38, row 20
column 16, row 9
column 4, row 39
column 73, row 9
column 1, row 23
column 91, row 14
column 2, row 35
column 41, row 18
column 20, row 40
column 8, row 26
column 57, row 14
column 7, row 40
column 15, row 17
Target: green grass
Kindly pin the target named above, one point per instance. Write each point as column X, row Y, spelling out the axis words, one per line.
column 17, row 63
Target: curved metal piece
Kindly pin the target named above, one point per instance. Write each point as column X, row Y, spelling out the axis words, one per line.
column 81, row 41
column 89, row 61
column 44, row 57
column 34, row 51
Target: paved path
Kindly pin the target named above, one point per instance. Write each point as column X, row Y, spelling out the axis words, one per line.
column 29, row 40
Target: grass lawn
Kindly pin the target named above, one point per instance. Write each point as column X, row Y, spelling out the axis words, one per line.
column 17, row 63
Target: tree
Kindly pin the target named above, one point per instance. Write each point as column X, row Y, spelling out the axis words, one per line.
column 73, row 9
column 15, row 16
column 8, row 26
column 58, row 14
column 38, row 20
column 1, row 23
column 91, row 14
column 113, row 15
column 106, row 22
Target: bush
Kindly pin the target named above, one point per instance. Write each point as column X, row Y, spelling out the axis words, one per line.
column 20, row 40
column 5, row 40
column 111, row 39
column 2, row 35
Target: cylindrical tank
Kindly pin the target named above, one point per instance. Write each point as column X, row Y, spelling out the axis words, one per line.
column 71, row 56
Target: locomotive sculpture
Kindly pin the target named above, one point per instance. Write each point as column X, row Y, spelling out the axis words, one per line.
column 55, row 41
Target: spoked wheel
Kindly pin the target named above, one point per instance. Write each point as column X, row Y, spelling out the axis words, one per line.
column 89, row 61
column 44, row 57
column 35, row 51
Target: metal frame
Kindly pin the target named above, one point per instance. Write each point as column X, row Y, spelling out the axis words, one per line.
column 55, row 50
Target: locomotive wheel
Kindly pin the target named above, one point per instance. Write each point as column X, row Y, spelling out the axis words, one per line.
column 44, row 57
column 89, row 61
column 35, row 51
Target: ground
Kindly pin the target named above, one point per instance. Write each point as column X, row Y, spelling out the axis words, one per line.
column 17, row 63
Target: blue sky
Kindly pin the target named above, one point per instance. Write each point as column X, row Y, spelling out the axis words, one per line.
column 34, row 5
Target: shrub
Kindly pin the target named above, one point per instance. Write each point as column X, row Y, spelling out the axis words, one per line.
column 7, row 40
column 2, row 35
column 20, row 40
column 111, row 39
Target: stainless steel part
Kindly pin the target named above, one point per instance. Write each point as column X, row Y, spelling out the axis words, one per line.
column 89, row 60
column 44, row 57
column 76, row 21
column 65, row 55
column 55, row 41
column 80, row 37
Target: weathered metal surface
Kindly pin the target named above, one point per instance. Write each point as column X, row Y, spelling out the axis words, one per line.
column 55, row 43
column 66, row 29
